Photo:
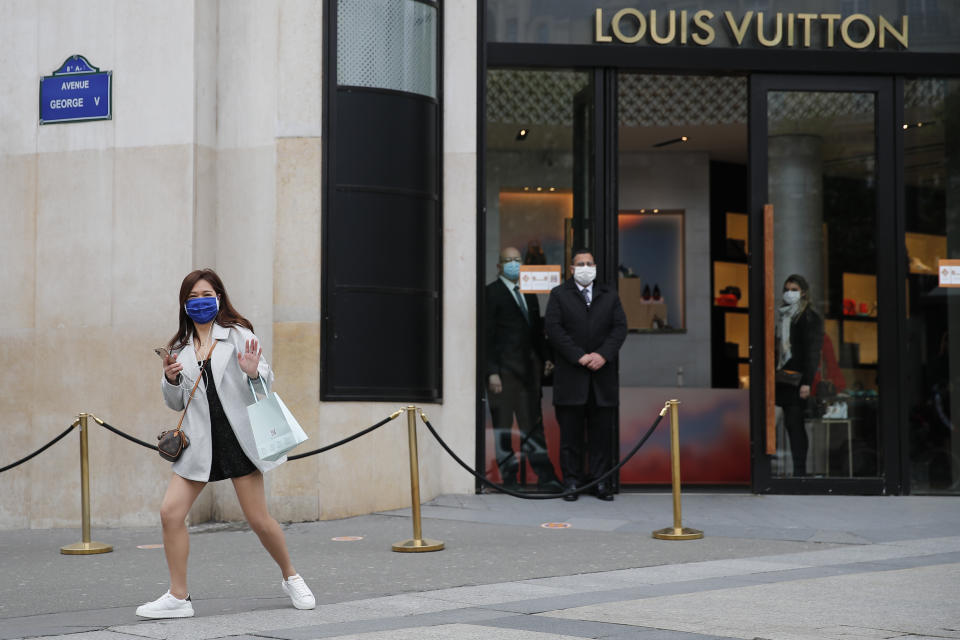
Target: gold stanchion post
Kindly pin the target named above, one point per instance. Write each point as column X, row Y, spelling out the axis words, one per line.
column 86, row 547
column 677, row 531
column 417, row 543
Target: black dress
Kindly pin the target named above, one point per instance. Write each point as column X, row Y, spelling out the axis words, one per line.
column 806, row 343
column 228, row 459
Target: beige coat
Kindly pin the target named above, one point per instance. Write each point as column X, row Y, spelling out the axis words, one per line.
column 234, row 393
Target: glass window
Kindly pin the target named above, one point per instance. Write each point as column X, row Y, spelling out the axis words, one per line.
column 931, row 167
column 538, row 163
column 682, row 223
column 387, row 44
column 821, row 158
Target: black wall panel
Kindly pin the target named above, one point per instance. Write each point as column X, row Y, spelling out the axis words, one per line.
column 382, row 230
column 386, row 139
column 383, row 344
column 383, row 240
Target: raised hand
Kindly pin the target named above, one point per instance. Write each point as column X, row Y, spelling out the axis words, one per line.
column 250, row 358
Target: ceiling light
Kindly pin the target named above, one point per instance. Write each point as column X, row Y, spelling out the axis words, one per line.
column 522, row 134
column 539, row 188
column 656, row 210
column 671, row 141
column 526, row 188
column 553, row 188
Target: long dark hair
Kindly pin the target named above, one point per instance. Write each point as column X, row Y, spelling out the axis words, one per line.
column 226, row 317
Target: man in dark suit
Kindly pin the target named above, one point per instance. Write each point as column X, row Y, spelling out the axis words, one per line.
column 586, row 327
column 516, row 358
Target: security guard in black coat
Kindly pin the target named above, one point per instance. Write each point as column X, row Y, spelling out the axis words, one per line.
column 586, row 327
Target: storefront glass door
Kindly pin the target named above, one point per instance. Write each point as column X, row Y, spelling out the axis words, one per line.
column 539, row 170
column 930, row 134
column 682, row 265
column 825, row 406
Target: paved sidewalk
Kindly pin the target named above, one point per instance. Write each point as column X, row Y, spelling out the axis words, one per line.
column 770, row 567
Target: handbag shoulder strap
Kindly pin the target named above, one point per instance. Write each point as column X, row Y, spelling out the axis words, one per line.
column 192, row 391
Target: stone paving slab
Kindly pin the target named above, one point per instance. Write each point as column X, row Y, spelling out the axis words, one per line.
column 458, row 631
column 585, row 629
column 812, row 609
column 506, row 592
column 100, row 634
column 468, row 615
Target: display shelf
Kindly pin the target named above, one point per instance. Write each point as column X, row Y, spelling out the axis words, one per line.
column 727, row 273
column 720, row 307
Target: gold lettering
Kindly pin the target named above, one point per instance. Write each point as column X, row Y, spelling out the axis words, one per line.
column 805, row 18
column 741, row 30
column 845, row 31
column 701, row 20
column 671, row 34
column 899, row 36
column 598, row 28
column 641, row 25
column 830, row 18
column 777, row 38
column 703, row 33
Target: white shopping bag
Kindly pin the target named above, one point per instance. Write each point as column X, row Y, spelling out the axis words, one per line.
column 275, row 430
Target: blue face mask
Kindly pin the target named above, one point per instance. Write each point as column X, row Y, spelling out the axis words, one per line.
column 511, row 270
column 202, row 310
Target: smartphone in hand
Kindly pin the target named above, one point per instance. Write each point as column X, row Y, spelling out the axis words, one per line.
column 163, row 352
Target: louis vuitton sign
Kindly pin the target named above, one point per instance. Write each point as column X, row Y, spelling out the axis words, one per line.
column 751, row 28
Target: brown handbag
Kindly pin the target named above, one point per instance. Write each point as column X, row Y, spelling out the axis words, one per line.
column 172, row 442
column 789, row 377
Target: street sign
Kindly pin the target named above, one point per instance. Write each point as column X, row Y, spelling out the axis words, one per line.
column 76, row 91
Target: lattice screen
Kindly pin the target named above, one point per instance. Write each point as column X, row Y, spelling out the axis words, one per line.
column 387, row 44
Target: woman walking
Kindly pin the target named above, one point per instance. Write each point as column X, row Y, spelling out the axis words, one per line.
column 216, row 345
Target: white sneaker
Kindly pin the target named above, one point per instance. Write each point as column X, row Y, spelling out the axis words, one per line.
column 299, row 592
column 166, row 606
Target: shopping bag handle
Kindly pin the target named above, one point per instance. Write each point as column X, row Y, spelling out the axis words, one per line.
column 254, row 391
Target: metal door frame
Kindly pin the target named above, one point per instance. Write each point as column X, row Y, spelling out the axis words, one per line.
column 890, row 297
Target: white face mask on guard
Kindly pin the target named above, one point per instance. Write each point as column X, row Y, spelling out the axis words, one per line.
column 584, row 275
column 791, row 297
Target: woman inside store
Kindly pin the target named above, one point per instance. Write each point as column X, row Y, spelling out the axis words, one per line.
column 215, row 347
column 799, row 341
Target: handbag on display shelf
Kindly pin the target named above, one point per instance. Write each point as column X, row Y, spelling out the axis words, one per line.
column 275, row 430
column 172, row 442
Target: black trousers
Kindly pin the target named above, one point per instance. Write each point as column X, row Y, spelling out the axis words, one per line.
column 788, row 397
column 521, row 398
column 589, row 428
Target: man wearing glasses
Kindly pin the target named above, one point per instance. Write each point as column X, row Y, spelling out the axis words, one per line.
column 586, row 327
column 516, row 359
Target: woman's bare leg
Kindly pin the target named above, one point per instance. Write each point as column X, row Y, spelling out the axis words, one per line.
column 180, row 496
column 253, row 501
